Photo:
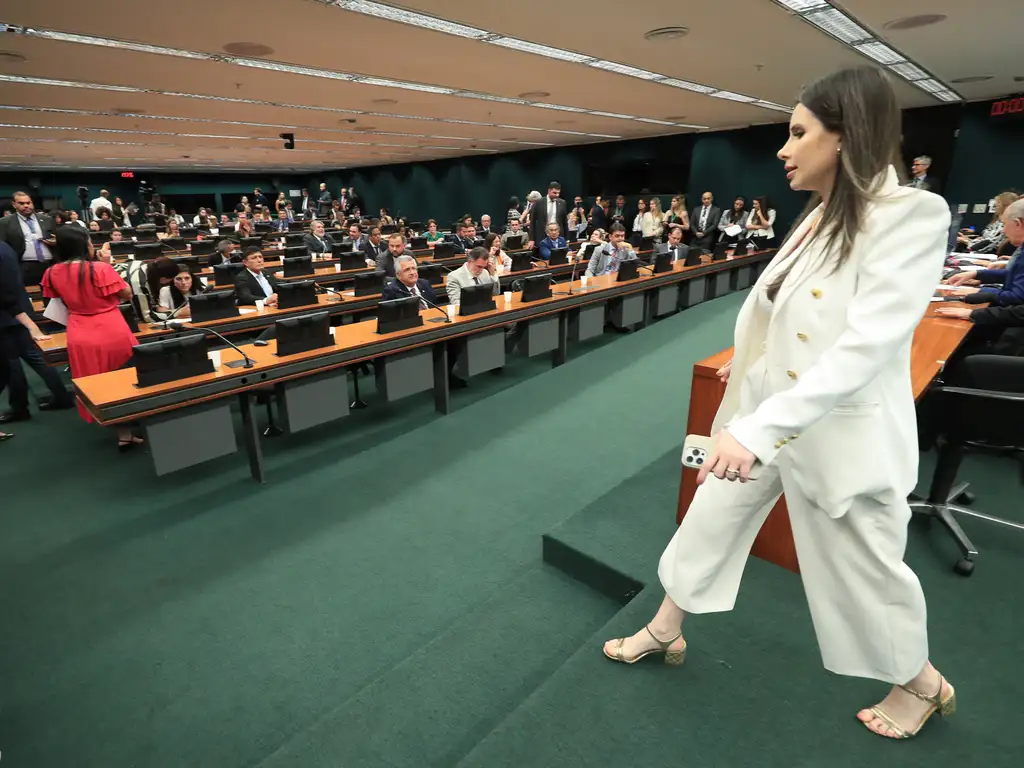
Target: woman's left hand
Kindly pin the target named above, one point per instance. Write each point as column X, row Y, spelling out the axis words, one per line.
column 728, row 461
column 964, row 291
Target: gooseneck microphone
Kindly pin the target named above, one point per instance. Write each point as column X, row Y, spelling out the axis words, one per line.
column 170, row 324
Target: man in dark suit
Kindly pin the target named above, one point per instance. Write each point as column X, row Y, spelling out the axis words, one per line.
column 317, row 241
column 547, row 210
column 355, row 238
column 253, row 282
column 675, row 245
column 618, row 213
column 18, row 334
column 30, row 236
column 704, row 222
column 920, row 178
column 598, row 218
column 373, row 247
column 280, row 224
column 307, row 207
column 323, row 203
column 387, row 261
column 466, row 234
column 407, row 282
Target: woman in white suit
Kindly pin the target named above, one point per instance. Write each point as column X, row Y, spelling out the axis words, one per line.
column 819, row 393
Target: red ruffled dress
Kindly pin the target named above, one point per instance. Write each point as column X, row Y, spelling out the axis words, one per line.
column 99, row 339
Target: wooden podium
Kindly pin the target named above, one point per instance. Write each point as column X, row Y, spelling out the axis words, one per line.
column 935, row 340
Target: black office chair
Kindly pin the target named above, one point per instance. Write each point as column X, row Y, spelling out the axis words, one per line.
column 973, row 416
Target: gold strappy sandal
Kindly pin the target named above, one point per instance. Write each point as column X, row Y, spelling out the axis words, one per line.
column 675, row 658
column 945, row 706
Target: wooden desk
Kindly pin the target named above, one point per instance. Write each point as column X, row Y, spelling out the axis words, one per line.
column 935, row 340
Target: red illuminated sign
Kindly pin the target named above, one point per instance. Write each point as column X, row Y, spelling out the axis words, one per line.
column 127, row 174
column 1004, row 107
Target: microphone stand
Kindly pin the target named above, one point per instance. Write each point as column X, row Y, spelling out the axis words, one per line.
column 572, row 277
column 248, row 362
column 432, row 305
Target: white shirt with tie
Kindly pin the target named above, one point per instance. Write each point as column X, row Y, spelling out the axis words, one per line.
column 702, row 226
column 31, row 236
column 264, row 283
column 552, row 210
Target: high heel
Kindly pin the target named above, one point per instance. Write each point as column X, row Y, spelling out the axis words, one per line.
column 672, row 658
column 943, row 705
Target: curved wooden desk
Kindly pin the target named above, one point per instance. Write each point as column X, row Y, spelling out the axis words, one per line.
column 935, row 340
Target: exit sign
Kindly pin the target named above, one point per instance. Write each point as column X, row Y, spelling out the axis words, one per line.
column 127, row 174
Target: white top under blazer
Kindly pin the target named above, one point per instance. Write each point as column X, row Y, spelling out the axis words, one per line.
column 831, row 356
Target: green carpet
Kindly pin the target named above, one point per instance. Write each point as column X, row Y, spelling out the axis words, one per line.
column 381, row 601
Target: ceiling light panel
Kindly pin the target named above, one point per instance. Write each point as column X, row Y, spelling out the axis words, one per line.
column 839, row 25
column 402, row 16
column 622, row 69
column 909, row 71
column 686, row 85
column 541, row 50
column 730, row 96
column 880, row 52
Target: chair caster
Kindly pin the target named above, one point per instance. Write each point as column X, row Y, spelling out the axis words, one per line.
column 964, row 567
column 966, row 498
column 357, row 405
column 272, row 431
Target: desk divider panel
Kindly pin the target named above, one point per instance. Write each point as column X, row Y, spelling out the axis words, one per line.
column 627, row 311
column 313, row 400
column 480, row 353
column 666, row 300
column 694, row 292
column 587, row 322
column 406, row 373
column 721, row 284
column 539, row 336
column 743, row 278
column 190, row 436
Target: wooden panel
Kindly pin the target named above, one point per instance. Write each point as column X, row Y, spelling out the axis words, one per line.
column 935, row 340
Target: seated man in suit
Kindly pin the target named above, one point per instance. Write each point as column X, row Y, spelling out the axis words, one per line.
column 407, row 282
column 253, row 283
column 514, row 230
column 355, row 238
column 675, row 245
column 606, row 259
column 373, row 247
column 704, row 222
column 317, row 241
column 485, row 226
column 466, row 235
column 1009, row 281
column 386, row 262
column 478, row 270
column 280, row 224
column 553, row 240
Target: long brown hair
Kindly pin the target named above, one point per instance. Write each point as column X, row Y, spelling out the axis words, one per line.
column 860, row 105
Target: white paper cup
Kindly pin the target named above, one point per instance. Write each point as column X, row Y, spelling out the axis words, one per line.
column 337, row 267
column 215, row 357
column 583, row 281
column 259, row 304
column 508, row 298
column 453, row 310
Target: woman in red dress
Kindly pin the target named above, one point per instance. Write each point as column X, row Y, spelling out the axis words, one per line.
column 98, row 337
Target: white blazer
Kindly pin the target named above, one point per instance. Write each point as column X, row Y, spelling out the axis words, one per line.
column 839, row 408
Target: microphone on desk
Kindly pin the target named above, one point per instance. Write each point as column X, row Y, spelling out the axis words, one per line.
column 179, row 324
column 432, row 305
column 646, row 266
column 324, row 289
column 572, row 277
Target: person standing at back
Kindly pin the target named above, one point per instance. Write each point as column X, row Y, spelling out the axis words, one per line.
column 30, row 235
column 704, row 222
column 551, row 209
column 99, row 339
column 821, row 373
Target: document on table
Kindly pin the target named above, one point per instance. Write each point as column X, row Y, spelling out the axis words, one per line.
column 732, row 230
column 57, row 312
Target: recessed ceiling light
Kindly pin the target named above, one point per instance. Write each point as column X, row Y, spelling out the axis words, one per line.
column 248, row 49
column 534, row 95
column 972, row 79
column 9, row 57
column 914, row 22
column 666, row 33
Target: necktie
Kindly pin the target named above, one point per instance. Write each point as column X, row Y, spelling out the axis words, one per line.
column 265, row 285
column 476, row 280
column 703, row 218
column 414, row 292
column 40, row 256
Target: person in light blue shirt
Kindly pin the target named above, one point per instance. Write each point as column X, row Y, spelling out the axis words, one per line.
column 553, row 240
column 607, row 258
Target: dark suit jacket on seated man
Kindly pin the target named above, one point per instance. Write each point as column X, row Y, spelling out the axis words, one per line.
column 317, row 241
column 253, row 282
column 408, row 283
column 374, row 247
column 385, row 262
column 552, row 240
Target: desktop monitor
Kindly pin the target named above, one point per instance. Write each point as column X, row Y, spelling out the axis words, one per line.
column 522, row 261
column 203, row 247
column 160, row 220
column 293, row 240
column 174, row 244
column 349, row 260
column 298, row 294
column 192, row 262
column 646, row 244
column 388, row 229
column 431, row 273
column 742, row 248
column 128, row 313
column 720, row 252
column 514, row 242
column 303, row 333
column 479, row 243
column 536, row 287
column 262, row 228
column 296, row 226
column 188, row 233
column 215, row 305
column 129, row 232
column 339, row 248
column 693, row 257
column 662, row 263
column 225, row 273
column 122, row 247
column 628, row 270
column 369, row 284
column 159, row 362
column 148, row 251
column 476, row 299
column 418, row 244
column 249, row 242
column 558, row 256
column 99, row 238
column 398, row 314
column 445, row 250
column 298, row 266
column 416, row 226
column 295, row 252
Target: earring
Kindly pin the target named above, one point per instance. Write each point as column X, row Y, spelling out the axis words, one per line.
column 839, row 150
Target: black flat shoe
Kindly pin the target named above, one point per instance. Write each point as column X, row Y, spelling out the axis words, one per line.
column 12, row 416
column 56, row 405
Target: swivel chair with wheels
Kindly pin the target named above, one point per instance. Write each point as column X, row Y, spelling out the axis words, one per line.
column 987, row 412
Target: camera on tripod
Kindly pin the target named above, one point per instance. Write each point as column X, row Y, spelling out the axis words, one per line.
column 83, row 195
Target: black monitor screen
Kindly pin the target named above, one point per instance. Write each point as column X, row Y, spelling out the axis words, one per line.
column 294, row 240
column 339, row 248
column 171, row 359
column 121, row 247
column 301, row 265
column 301, row 334
column 476, row 298
column 296, row 226
column 369, row 285
column 431, row 273
column 662, row 263
column 295, row 251
column 147, row 251
column 215, row 305
column 250, row 242
column 445, row 250
column 298, row 294
column 226, row 272
column 418, row 243
column 628, row 270
column 203, row 247
column 174, row 244
column 514, row 242
column 192, row 262
column 398, row 314
column 558, row 256
column 536, row 287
